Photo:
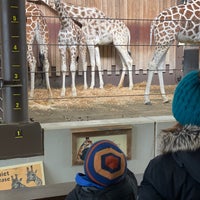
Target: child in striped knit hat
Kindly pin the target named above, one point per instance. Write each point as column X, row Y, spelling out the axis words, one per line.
column 106, row 175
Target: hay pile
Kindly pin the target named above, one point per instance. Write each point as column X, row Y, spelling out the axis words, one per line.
column 110, row 95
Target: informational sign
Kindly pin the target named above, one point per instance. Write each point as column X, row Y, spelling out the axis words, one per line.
column 83, row 138
column 23, row 175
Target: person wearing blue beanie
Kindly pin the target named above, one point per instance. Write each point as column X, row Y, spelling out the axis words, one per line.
column 175, row 174
column 106, row 175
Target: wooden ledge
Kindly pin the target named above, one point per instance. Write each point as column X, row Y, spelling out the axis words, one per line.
column 42, row 192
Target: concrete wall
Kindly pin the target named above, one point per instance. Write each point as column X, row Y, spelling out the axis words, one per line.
column 57, row 157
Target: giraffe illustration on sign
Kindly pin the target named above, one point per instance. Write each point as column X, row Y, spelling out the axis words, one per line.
column 98, row 30
column 82, row 151
column 70, row 37
column 16, row 182
column 36, row 29
column 178, row 23
column 32, row 176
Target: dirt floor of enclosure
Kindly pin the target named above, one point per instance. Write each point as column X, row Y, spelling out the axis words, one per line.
column 108, row 103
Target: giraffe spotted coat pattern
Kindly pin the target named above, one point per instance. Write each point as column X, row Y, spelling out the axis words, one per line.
column 97, row 34
column 178, row 23
column 36, row 29
column 71, row 38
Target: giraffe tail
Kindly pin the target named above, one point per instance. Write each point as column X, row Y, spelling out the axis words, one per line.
column 41, row 60
column 129, row 42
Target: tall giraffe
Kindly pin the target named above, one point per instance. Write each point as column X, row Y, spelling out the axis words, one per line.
column 101, row 31
column 181, row 23
column 70, row 37
column 36, row 28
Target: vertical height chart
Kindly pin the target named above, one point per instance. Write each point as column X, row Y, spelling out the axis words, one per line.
column 13, row 37
column 18, row 136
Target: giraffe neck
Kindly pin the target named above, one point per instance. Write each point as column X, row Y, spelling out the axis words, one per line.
column 80, row 14
column 64, row 18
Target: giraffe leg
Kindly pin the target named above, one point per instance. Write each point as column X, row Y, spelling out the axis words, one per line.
column 32, row 71
column 126, row 64
column 162, row 87
column 92, row 62
column 160, row 77
column 157, row 62
column 98, row 63
column 46, row 66
column 74, row 93
column 63, row 89
column 63, row 68
column 73, row 56
column 32, row 65
column 121, row 82
column 82, row 53
column 148, row 85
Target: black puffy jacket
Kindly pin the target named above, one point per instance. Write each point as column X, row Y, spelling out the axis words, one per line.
column 124, row 190
column 175, row 174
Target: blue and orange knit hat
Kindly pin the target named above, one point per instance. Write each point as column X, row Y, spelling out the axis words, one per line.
column 186, row 101
column 105, row 164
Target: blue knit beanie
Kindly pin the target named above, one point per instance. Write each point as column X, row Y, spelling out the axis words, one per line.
column 186, row 101
column 105, row 164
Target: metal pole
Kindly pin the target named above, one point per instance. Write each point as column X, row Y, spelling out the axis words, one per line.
column 15, row 76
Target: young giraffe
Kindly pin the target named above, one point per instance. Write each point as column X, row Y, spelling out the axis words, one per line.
column 36, row 28
column 71, row 37
column 179, row 23
column 100, row 31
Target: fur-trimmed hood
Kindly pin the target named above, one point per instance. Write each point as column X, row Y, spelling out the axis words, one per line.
column 182, row 138
column 184, row 144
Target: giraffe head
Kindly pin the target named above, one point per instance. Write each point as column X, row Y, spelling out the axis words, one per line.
column 16, row 182
column 31, row 175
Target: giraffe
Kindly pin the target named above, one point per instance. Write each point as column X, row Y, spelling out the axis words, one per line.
column 16, row 182
column 36, row 28
column 178, row 23
column 87, row 143
column 70, row 37
column 31, row 176
column 98, row 30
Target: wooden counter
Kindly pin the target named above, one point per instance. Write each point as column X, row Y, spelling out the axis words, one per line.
column 50, row 192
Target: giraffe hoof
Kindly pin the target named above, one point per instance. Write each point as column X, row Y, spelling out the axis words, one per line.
column 31, row 95
column 50, row 100
column 74, row 94
column 62, row 94
column 166, row 101
column 130, row 87
column 148, row 103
